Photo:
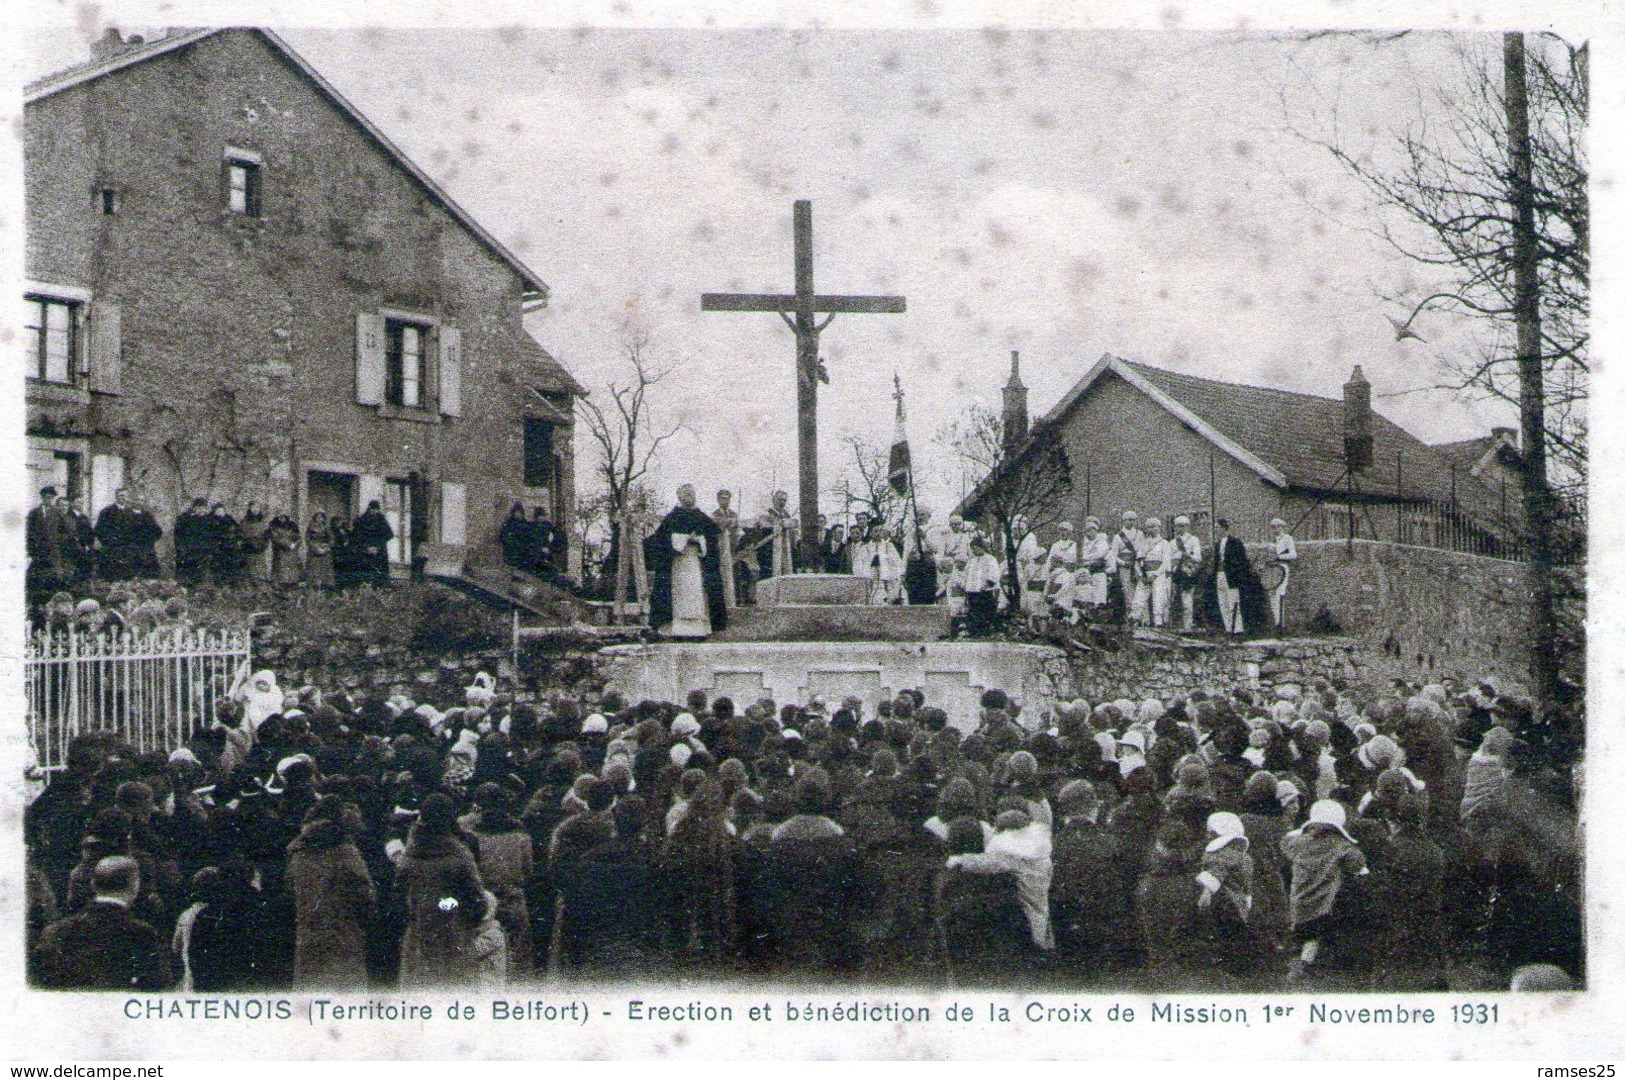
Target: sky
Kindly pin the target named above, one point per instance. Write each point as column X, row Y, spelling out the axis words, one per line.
column 1157, row 195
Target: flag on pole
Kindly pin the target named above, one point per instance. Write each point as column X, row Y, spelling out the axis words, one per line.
column 899, row 466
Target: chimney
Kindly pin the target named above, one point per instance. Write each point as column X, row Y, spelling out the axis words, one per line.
column 109, row 45
column 1357, row 422
column 1015, row 407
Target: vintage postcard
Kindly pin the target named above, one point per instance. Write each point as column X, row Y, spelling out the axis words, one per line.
column 848, row 531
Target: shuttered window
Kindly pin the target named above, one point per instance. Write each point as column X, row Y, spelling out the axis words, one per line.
column 50, row 338
column 453, row 513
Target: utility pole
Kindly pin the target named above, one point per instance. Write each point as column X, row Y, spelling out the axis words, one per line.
column 1531, row 380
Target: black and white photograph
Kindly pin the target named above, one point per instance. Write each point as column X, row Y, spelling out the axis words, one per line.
column 628, row 509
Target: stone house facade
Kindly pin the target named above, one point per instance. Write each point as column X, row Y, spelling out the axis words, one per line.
column 1163, row 443
column 239, row 289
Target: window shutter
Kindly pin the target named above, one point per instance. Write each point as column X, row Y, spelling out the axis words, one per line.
column 104, row 352
column 368, row 488
column 369, row 359
column 451, row 371
column 453, row 514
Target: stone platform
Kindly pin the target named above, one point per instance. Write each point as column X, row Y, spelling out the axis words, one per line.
column 951, row 674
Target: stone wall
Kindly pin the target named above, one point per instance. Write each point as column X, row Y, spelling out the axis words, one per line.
column 362, row 660
column 1105, row 670
column 1421, row 610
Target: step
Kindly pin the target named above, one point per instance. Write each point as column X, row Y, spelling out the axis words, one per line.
column 835, row 622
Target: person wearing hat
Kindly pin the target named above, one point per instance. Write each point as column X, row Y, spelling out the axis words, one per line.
column 1092, row 558
column 44, row 530
column 1062, row 581
column 1088, row 898
column 1123, row 560
column 1226, row 897
column 1023, row 847
column 1286, row 553
column 1158, row 554
column 1187, row 565
column 504, row 855
column 1326, row 866
column 333, row 895
column 1059, row 562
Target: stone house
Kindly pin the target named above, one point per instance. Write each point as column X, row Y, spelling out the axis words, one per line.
column 238, row 288
column 1163, row 443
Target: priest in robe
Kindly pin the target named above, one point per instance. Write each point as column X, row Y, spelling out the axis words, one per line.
column 685, row 567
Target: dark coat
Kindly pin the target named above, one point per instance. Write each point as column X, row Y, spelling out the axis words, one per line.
column 333, row 897
column 658, row 555
column 1170, row 921
column 612, row 906
column 982, row 928
column 436, row 949
column 371, row 535
column 514, row 538
column 1088, row 899
column 1409, row 910
column 103, row 947
column 1271, row 918
column 1238, row 571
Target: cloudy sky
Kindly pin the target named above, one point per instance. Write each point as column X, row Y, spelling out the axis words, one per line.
column 1066, row 194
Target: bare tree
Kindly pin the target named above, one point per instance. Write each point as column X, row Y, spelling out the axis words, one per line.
column 862, row 482
column 1449, row 192
column 1493, row 196
column 622, row 423
column 1032, row 484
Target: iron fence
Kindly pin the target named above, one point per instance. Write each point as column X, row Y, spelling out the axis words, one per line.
column 153, row 689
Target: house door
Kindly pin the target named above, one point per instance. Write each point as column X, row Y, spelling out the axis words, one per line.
column 331, row 493
column 55, row 468
column 398, row 511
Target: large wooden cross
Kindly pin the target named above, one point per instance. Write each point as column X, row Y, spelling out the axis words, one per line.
column 799, row 310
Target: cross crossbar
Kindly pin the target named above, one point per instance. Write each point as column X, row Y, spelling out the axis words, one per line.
column 797, row 310
column 788, row 303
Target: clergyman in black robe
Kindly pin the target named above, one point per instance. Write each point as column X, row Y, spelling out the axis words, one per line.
column 661, row 557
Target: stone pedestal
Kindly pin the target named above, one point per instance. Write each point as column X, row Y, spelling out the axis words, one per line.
column 836, row 589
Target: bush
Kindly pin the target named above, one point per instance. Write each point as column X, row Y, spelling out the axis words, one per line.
column 1325, row 622
column 449, row 623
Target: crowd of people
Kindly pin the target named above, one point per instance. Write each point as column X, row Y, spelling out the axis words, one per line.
column 1139, row 574
column 65, row 548
column 1238, row 838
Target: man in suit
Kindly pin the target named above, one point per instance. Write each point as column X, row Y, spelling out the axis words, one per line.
column 104, row 947
column 43, row 532
column 1230, row 571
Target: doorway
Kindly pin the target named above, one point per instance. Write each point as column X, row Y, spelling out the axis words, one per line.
column 331, row 493
column 60, row 469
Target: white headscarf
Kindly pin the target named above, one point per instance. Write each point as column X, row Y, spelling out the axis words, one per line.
column 262, row 698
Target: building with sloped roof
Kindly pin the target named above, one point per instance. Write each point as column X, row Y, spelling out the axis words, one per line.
column 239, row 288
column 1163, row 443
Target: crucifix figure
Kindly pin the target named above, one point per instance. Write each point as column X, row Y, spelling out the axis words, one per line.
column 799, row 311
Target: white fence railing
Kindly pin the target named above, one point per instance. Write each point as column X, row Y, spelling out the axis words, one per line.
column 152, row 688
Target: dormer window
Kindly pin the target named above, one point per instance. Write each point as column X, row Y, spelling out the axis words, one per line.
column 243, row 182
